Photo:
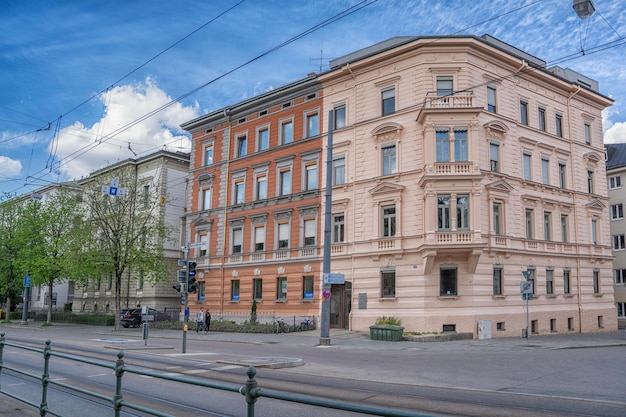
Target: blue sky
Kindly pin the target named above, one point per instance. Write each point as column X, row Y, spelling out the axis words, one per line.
column 81, row 81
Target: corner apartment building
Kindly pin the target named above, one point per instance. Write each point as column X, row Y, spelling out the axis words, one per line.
column 458, row 163
column 161, row 176
column 254, row 205
column 615, row 171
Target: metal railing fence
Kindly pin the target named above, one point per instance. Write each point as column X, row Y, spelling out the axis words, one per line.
column 250, row 390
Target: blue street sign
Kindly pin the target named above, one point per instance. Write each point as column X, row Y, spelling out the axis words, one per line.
column 27, row 281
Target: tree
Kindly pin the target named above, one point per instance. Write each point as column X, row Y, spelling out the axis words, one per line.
column 57, row 234
column 11, row 243
column 128, row 229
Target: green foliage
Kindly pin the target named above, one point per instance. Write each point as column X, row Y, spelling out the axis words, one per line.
column 394, row 321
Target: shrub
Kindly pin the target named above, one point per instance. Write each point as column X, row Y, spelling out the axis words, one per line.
column 389, row 320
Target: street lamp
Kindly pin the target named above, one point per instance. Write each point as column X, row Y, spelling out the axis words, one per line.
column 584, row 8
column 526, row 288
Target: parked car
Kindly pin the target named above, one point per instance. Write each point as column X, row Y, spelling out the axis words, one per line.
column 131, row 317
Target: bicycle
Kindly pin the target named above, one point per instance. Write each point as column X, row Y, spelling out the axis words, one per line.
column 281, row 326
column 307, row 324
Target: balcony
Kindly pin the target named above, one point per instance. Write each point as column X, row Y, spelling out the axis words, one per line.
column 462, row 101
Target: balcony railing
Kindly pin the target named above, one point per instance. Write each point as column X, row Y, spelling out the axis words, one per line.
column 455, row 100
column 443, row 168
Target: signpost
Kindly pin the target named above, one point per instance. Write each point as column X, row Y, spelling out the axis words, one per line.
column 526, row 288
column 26, row 298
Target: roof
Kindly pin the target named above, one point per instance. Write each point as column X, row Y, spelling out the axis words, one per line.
column 615, row 155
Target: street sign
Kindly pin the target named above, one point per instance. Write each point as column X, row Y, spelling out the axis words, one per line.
column 526, row 287
column 334, row 279
column 182, row 276
column 197, row 245
column 182, row 263
column 27, row 282
column 527, row 274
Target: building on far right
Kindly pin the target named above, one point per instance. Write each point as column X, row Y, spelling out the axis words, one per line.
column 615, row 171
column 458, row 163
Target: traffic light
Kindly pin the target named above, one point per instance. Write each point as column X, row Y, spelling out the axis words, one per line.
column 191, row 285
column 191, row 270
column 176, row 287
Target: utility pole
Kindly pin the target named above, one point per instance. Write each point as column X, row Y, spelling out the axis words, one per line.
column 183, row 291
column 325, row 321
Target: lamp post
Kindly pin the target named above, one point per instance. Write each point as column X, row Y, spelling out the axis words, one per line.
column 326, row 286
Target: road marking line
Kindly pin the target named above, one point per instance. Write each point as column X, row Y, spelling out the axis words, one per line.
column 15, row 385
column 97, row 375
column 189, row 354
column 227, row 367
column 195, row 371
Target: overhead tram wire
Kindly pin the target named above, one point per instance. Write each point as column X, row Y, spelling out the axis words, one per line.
column 121, row 129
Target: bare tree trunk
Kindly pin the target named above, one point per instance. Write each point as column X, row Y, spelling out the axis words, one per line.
column 50, row 287
column 118, row 301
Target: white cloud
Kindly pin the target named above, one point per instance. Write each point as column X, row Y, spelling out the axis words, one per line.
column 9, row 167
column 616, row 133
column 118, row 136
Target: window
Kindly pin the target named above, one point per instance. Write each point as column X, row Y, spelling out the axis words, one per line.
column 443, row 212
column 339, row 170
column 590, row 181
column 388, row 282
column 460, row 144
column 204, row 241
column 240, row 191
column 462, row 212
column 310, row 229
column 547, row 225
column 257, row 289
column 527, row 160
column 545, row 170
column 388, row 96
column 259, row 238
column 596, row 281
column 620, row 276
column 237, row 240
column 261, row 187
column 263, row 139
column 389, row 221
column 389, row 159
column 206, row 199
column 534, row 326
column 523, row 110
column 559, row 124
column 497, row 218
column 562, row 175
column 549, row 281
column 447, row 280
column 442, row 145
column 615, row 182
column 542, row 118
column 494, row 156
column 497, row 280
column 146, row 196
column 284, row 177
column 338, row 228
column 529, row 223
column 552, row 325
column 283, row 235
column 242, row 145
column 286, row 132
column 587, row 133
column 234, row 290
column 340, row 116
column 566, row 281
column 444, row 86
column 308, row 287
column 281, row 288
column 310, row 181
column 564, row 227
column 617, row 211
column 618, row 242
column 621, row 310
column 491, row 99
column 594, row 231
column 208, row 155
column 312, row 125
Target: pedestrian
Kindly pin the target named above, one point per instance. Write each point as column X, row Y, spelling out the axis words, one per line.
column 207, row 321
column 199, row 320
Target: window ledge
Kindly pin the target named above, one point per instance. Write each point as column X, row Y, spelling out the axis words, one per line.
column 598, row 294
column 498, row 296
column 307, row 300
column 551, row 295
column 281, row 300
column 448, row 297
column 233, row 301
column 383, row 299
column 568, row 295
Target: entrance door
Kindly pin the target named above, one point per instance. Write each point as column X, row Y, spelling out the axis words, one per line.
column 340, row 305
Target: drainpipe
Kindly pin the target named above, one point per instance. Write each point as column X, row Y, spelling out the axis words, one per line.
column 572, row 179
column 225, row 187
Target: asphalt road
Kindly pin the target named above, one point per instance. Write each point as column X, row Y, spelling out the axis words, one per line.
column 555, row 375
